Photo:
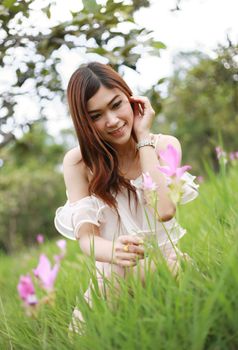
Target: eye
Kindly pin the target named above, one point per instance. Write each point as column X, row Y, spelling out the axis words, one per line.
column 117, row 104
column 95, row 117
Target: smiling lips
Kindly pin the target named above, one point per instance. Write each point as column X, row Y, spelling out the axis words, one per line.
column 118, row 132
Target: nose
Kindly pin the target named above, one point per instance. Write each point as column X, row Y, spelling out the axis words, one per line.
column 111, row 119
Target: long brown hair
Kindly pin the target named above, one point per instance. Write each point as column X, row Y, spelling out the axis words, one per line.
column 98, row 155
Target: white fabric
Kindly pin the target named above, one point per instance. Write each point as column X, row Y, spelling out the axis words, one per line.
column 140, row 221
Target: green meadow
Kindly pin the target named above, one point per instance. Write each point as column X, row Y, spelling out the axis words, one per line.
column 197, row 310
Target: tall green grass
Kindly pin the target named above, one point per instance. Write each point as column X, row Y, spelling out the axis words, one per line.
column 198, row 310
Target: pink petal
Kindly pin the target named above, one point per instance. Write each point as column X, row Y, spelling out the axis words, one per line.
column 148, row 182
column 59, row 257
column 61, row 243
column 171, row 157
column 200, row 179
column 25, row 287
column 50, row 278
column 166, row 170
column 40, row 238
column 43, row 267
column 45, row 273
column 232, row 156
column 181, row 171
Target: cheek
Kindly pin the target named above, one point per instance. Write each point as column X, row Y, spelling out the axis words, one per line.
column 98, row 125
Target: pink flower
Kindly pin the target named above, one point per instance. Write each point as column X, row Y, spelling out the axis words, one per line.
column 44, row 272
column 232, row 155
column 40, row 238
column 26, row 290
column 171, row 157
column 200, row 179
column 58, row 258
column 61, row 243
column 219, row 152
column 148, row 183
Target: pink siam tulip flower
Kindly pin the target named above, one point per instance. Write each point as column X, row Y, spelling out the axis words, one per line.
column 58, row 258
column 45, row 274
column 26, row 290
column 61, row 243
column 40, row 238
column 232, row 156
column 173, row 171
column 219, row 152
column 148, row 183
column 200, row 179
column 171, row 157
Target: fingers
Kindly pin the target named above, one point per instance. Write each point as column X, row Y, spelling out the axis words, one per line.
column 128, row 256
column 140, row 99
column 131, row 251
column 127, row 239
column 142, row 106
column 126, row 263
column 142, row 102
column 128, row 250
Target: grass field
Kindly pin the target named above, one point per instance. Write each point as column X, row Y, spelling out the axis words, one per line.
column 198, row 310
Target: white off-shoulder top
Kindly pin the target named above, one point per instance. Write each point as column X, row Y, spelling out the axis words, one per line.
column 134, row 220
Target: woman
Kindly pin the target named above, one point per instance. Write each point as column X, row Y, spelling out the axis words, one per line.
column 107, row 205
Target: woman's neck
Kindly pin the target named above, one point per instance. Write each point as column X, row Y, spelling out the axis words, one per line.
column 129, row 165
column 126, row 151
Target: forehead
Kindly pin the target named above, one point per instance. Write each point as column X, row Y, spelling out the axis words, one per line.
column 103, row 97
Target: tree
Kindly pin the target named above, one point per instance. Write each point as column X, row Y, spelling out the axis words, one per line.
column 32, row 54
column 31, row 188
column 202, row 103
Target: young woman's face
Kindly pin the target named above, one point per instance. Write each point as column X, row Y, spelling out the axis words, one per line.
column 112, row 115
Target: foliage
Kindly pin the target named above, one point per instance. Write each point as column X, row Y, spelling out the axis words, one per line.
column 33, row 53
column 28, row 203
column 197, row 311
column 202, row 104
column 31, row 188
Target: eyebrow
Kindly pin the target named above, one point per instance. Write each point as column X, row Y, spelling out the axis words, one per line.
column 97, row 110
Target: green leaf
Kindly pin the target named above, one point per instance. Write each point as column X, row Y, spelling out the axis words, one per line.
column 98, row 50
column 8, row 3
column 47, row 11
column 158, row 45
column 91, row 5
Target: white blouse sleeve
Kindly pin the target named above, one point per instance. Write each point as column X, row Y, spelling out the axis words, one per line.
column 190, row 188
column 70, row 217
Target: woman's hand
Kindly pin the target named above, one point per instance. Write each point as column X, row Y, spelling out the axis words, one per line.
column 143, row 116
column 127, row 250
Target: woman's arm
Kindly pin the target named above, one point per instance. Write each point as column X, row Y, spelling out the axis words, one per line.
column 75, row 175
column 149, row 162
column 143, row 117
column 76, row 181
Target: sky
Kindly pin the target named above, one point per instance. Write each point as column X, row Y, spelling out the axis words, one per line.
column 201, row 24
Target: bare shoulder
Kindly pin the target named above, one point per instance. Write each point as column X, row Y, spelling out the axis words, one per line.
column 72, row 157
column 164, row 140
column 75, row 175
